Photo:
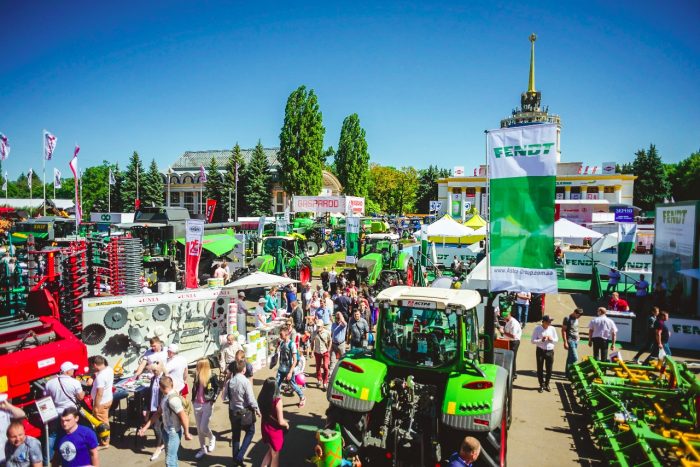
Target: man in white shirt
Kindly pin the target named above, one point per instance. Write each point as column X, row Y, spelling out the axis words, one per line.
column 65, row 391
column 101, row 391
column 544, row 336
column 602, row 330
column 176, row 368
column 522, row 306
column 156, row 353
column 513, row 332
column 333, row 279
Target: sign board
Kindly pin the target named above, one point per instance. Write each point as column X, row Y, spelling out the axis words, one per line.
column 436, row 205
column 329, row 204
column 685, row 333
column 624, row 215
column 608, row 168
column 112, row 217
column 458, row 171
column 47, row 409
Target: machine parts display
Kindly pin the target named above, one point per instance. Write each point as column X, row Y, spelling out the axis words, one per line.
column 125, row 265
column 641, row 415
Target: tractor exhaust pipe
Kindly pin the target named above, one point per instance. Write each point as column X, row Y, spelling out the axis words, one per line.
column 489, row 328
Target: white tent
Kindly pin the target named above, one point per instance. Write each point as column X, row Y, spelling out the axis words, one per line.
column 449, row 228
column 259, row 279
column 564, row 228
column 477, row 279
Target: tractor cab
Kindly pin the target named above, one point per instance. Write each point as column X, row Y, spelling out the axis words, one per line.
column 387, row 245
column 284, row 254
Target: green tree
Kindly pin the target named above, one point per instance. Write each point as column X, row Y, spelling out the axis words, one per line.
column 352, row 158
column 382, row 180
column 625, row 168
column 403, row 197
column 236, row 159
column 116, row 189
column 301, row 144
column 133, row 180
column 95, row 189
column 258, row 188
column 427, row 187
column 329, row 160
column 153, row 190
column 214, row 188
column 684, row 177
column 651, row 186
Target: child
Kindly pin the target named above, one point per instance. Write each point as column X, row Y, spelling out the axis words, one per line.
column 309, row 329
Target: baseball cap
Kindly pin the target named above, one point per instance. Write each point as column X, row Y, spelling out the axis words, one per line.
column 67, row 366
column 172, row 348
column 547, row 318
column 262, row 300
column 3, row 397
column 241, row 294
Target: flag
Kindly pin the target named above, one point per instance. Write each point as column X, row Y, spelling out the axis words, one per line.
column 596, row 291
column 74, row 168
column 585, row 172
column 4, row 147
column 30, row 174
column 580, row 168
column 595, row 168
column 475, row 171
column 4, row 184
column 49, row 145
column 112, row 179
column 522, row 167
column 56, row 178
column 202, row 175
column 627, row 233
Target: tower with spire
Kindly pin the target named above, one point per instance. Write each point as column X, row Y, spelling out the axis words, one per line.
column 530, row 111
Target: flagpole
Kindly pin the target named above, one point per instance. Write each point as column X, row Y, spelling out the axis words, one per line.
column 487, row 246
column 168, row 200
column 54, row 187
column 44, row 169
column 80, row 183
column 109, row 191
column 235, row 200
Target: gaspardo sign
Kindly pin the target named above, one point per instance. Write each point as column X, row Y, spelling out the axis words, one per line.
column 333, row 204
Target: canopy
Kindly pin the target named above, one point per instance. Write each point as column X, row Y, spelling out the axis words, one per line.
column 218, row 244
column 448, row 230
column 21, row 237
column 259, row 279
column 475, row 222
column 608, row 241
column 564, row 228
column 693, row 273
column 477, row 279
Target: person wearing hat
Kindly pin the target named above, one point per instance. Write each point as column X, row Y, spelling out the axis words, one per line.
column 65, row 391
column 8, row 413
column 570, row 337
column 513, row 332
column 260, row 315
column 241, row 314
column 544, row 337
column 176, row 368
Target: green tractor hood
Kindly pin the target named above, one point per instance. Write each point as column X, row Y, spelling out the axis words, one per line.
column 357, row 383
column 371, row 265
column 263, row 263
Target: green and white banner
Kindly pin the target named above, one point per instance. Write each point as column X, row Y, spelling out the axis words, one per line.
column 424, row 246
column 522, row 167
column 456, row 203
column 352, row 239
column 627, row 233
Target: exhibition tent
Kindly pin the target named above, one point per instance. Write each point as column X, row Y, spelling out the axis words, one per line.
column 259, row 279
column 564, row 228
column 475, row 222
column 448, row 230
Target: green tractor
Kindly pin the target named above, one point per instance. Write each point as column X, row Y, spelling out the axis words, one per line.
column 427, row 383
column 383, row 262
column 282, row 254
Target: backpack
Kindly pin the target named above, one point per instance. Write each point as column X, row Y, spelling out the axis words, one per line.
column 186, row 404
column 286, row 357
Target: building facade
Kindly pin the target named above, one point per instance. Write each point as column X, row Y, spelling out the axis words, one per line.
column 597, row 191
column 184, row 188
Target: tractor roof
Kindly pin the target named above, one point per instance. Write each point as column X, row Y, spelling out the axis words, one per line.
column 443, row 297
column 382, row 236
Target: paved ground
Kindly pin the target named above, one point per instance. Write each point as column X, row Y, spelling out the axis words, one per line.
column 547, row 430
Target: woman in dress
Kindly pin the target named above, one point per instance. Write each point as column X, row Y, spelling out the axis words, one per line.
column 151, row 404
column 204, row 392
column 272, row 423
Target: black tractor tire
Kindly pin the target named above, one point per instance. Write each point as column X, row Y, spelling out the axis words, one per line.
column 322, row 248
column 312, row 248
column 352, row 424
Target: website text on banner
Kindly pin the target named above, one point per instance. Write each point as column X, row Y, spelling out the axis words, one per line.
column 194, row 235
column 351, row 205
column 522, row 171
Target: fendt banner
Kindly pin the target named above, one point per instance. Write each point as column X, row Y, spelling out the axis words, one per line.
column 194, row 234
column 522, row 171
column 352, row 240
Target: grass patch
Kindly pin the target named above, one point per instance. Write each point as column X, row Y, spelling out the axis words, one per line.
column 321, row 261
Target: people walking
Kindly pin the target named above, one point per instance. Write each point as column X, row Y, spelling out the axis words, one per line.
column 338, row 334
column 228, row 354
column 570, row 337
column 602, row 332
column 322, row 342
column 151, row 403
column 272, row 425
column 205, row 389
column 650, row 343
column 513, row 332
column 288, row 358
column 613, row 280
column 176, row 368
column 241, row 315
column 242, row 410
column 175, row 420
column 325, row 279
column 359, row 330
column 101, row 392
column 65, row 391
column 662, row 335
column 544, row 337
column 522, row 306
column 76, row 444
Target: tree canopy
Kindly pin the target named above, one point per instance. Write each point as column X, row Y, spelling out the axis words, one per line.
column 684, row 178
column 214, row 188
column 258, row 187
column 352, row 158
column 153, row 187
column 392, row 189
column 133, row 178
column 301, row 144
column 651, row 186
column 236, row 157
column 427, row 186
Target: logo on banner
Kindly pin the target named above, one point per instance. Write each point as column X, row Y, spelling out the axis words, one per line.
column 524, row 150
column 211, row 207
column 458, row 171
column 624, row 215
column 608, row 168
column 194, row 234
column 435, row 205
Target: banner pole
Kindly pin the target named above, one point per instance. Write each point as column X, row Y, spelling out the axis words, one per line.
column 109, row 191
column 487, row 245
column 43, row 159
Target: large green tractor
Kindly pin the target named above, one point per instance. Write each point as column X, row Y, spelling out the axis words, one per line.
column 383, row 262
column 426, row 384
column 282, row 254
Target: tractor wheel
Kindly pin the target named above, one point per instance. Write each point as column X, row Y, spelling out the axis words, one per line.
column 322, row 249
column 494, row 444
column 312, row 248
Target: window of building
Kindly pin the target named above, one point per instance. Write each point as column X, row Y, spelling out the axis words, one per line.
column 174, row 180
column 559, row 193
column 189, row 202
column 279, row 201
column 609, row 189
column 175, row 199
column 187, row 179
column 470, row 192
column 575, row 192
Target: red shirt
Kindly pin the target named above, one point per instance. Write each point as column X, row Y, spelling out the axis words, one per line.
column 618, row 305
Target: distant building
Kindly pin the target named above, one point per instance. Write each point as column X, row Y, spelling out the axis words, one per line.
column 574, row 181
column 186, row 189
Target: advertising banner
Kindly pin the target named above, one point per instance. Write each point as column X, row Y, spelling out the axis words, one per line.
column 435, row 206
column 281, row 226
column 194, row 233
column 211, row 207
column 352, row 240
column 329, row 204
column 627, row 234
column 624, row 215
column 458, row 171
column 522, row 172
column 456, row 200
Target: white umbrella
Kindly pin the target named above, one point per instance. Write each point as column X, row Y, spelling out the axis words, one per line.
column 259, row 279
column 564, row 228
column 608, row 241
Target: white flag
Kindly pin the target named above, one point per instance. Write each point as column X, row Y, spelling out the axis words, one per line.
column 74, row 168
column 4, row 147
column 4, row 184
column 56, row 178
column 29, row 178
column 49, row 145
column 112, row 179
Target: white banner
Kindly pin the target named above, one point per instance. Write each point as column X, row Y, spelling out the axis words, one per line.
column 523, row 151
column 352, row 231
column 685, row 333
column 436, row 205
column 608, row 168
column 458, row 171
column 332, row 204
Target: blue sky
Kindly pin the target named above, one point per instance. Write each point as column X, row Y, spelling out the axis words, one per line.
column 426, row 78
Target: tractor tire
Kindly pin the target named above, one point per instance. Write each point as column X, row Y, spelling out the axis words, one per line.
column 312, row 248
column 494, row 444
column 322, row 249
column 352, row 424
column 504, row 359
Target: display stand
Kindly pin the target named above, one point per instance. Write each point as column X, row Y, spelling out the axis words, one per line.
column 625, row 325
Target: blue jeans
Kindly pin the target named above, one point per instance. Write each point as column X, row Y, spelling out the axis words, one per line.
column 282, row 373
column 572, row 356
column 521, row 313
column 239, row 449
column 172, row 445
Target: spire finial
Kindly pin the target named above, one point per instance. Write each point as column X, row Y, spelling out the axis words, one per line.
column 531, row 84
